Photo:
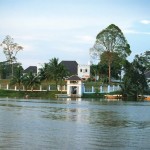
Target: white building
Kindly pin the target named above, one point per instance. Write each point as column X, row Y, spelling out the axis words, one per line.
column 84, row 71
column 74, row 86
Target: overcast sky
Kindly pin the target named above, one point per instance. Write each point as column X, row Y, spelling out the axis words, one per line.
column 66, row 29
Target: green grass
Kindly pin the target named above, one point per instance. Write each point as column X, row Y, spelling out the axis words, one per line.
column 34, row 94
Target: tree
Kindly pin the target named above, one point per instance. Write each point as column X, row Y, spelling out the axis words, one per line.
column 30, row 80
column 62, row 73
column 51, row 71
column 10, row 50
column 115, row 66
column 43, row 72
column 110, row 40
column 134, row 81
column 2, row 70
column 55, row 71
column 18, row 77
column 94, row 71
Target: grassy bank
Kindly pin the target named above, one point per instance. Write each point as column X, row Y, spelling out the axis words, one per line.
column 43, row 94
column 23, row 94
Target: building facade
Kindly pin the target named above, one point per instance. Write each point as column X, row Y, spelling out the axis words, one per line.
column 84, row 71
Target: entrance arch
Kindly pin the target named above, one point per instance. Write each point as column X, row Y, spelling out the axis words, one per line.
column 74, row 86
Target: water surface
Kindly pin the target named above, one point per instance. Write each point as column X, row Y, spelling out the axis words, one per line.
column 93, row 124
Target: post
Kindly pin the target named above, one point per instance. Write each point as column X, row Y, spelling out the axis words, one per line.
column 113, row 88
column 58, row 87
column 40, row 87
column 7, row 86
column 101, row 89
column 92, row 89
column 83, row 88
column 108, row 89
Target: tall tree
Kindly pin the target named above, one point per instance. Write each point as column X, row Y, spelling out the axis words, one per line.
column 110, row 40
column 115, row 66
column 10, row 50
column 52, row 70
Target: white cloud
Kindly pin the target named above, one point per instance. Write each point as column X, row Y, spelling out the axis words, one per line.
column 145, row 21
column 85, row 39
column 130, row 31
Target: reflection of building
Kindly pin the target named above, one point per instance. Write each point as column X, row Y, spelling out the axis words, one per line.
column 74, row 86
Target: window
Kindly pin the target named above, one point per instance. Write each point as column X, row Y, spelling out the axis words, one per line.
column 80, row 70
column 85, row 70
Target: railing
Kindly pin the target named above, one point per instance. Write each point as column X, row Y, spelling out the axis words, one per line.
column 101, row 89
column 85, row 89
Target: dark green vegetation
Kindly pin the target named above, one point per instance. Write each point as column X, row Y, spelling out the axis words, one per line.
column 134, row 81
column 10, row 49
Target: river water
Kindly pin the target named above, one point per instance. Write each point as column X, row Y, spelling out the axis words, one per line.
column 83, row 124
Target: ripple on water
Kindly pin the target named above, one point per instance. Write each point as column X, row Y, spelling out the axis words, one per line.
column 74, row 125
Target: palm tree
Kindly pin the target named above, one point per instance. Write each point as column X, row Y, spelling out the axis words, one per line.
column 52, row 71
column 30, row 80
column 63, row 73
column 43, row 74
column 18, row 77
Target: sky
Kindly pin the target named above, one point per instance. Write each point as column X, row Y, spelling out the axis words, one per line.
column 67, row 29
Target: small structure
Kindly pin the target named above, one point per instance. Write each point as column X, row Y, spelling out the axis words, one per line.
column 74, row 86
column 84, row 71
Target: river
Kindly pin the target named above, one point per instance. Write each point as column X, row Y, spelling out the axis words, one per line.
column 83, row 124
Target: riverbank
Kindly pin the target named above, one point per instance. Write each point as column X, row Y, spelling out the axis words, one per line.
column 28, row 94
column 52, row 95
column 41, row 94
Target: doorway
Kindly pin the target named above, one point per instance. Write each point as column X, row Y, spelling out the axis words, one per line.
column 74, row 90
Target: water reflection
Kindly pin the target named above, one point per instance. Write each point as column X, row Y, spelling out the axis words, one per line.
column 74, row 124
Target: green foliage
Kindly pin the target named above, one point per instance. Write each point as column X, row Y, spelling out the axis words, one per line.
column 10, row 50
column 30, row 80
column 33, row 94
column 18, row 77
column 111, row 41
column 134, row 81
column 54, row 71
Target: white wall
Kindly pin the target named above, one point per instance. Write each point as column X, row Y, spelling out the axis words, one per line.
column 84, row 71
